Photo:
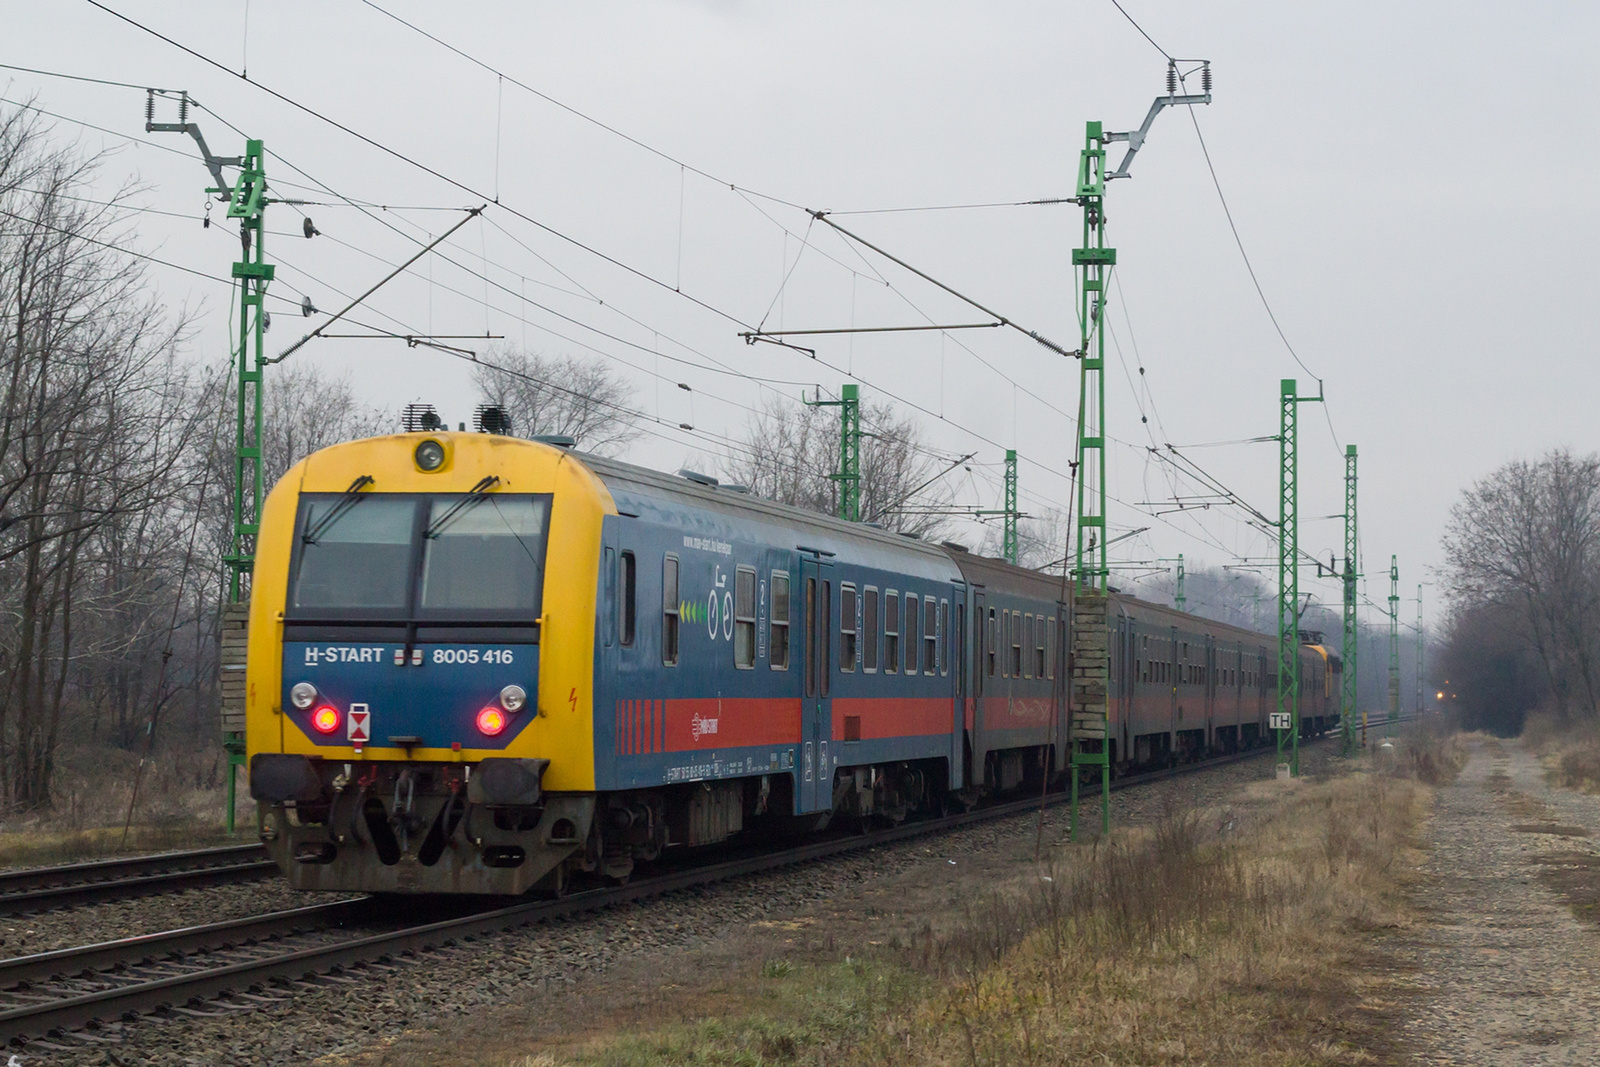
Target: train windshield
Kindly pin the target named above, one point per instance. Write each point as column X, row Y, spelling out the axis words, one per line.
column 353, row 552
column 447, row 558
column 484, row 553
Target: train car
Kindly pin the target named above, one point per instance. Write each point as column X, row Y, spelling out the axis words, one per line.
column 480, row 664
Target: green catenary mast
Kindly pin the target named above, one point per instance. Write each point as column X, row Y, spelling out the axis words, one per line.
column 1287, row 718
column 849, row 472
column 247, row 201
column 1394, row 638
column 1092, row 263
column 1348, row 690
column 1009, row 545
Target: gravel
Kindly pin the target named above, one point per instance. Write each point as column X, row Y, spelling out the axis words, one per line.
column 24, row 935
column 1505, row 974
column 336, row 1020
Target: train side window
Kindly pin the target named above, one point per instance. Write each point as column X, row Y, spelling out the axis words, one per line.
column 913, row 617
column 744, row 618
column 1027, row 642
column 847, row 628
column 1050, row 649
column 944, row 637
column 989, row 642
column 1016, row 644
column 1038, row 649
column 811, row 637
column 778, row 627
column 824, row 637
column 891, row 632
column 930, row 636
column 629, row 616
column 869, row 629
column 669, row 611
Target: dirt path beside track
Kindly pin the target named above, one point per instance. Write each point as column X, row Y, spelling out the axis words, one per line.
column 1507, row 967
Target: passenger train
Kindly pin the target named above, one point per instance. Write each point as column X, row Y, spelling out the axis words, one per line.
column 483, row 664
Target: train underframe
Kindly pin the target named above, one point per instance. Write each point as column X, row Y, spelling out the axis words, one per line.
column 414, row 827
column 489, row 828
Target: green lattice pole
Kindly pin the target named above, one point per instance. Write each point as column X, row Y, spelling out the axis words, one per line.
column 1010, row 536
column 1348, row 689
column 1394, row 638
column 849, row 473
column 1287, row 720
column 1092, row 263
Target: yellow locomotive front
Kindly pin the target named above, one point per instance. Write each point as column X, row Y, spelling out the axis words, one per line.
column 421, row 664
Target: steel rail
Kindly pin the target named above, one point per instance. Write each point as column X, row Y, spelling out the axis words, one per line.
column 38, row 888
column 86, row 1009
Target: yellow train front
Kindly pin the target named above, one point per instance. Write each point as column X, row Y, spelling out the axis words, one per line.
column 421, row 640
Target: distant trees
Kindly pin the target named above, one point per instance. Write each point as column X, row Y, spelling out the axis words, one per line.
column 582, row 399
column 790, row 453
column 1522, row 551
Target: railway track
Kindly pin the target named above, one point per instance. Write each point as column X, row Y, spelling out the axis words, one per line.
column 43, row 888
column 244, row 963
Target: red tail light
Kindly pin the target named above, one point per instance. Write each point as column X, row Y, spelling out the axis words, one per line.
column 491, row 721
column 325, row 720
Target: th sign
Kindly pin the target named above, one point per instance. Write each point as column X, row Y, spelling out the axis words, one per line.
column 1281, row 720
column 359, row 730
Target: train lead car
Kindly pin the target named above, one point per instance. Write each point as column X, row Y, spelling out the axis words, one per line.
column 479, row 664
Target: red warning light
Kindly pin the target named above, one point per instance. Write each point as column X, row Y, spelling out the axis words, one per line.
column 491, row 721
column 325, row 720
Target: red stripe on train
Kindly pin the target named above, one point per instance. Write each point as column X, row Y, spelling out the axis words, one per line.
column 891, row 717
column 690, row 725
column 1002, row 713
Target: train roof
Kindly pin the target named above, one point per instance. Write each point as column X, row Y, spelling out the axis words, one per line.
column 816, row 530
column 813, row 530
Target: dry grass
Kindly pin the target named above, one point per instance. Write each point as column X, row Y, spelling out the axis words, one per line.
column 1429, row 752
column 181, row 802
column 1237, row 936
column 1570, row 752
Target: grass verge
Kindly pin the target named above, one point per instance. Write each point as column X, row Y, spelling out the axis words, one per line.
column 1570, row 752
column 1239, row 935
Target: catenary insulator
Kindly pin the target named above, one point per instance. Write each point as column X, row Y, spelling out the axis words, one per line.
column 1205, row 79
column 149, row 108
column 1172, row 79
column 183, row 110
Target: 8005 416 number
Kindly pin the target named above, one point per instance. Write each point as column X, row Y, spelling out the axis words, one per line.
column 472, row 655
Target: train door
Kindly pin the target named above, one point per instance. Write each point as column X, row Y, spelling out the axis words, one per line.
column 1175, row 678
column 957, row 658
column 1120, row 700
column 982, row 649
column 816, row 720
column 1211, row 688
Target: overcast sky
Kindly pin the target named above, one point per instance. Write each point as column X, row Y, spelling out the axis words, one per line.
column 1413, row 184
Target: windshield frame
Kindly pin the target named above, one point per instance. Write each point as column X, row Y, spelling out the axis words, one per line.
column 411, row 614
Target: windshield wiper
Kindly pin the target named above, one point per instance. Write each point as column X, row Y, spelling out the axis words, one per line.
column 352, row 497
column 474, row 496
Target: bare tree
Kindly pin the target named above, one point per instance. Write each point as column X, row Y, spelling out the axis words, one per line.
column 95, row 421
column 790, row 453
column 577, row 398
column 1527, row 537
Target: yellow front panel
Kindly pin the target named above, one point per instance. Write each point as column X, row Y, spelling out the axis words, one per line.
column 563, row 730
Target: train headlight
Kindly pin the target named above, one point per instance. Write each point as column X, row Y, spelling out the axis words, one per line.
column 325, row 720
column 512, row 697
column 430, row 455
column 491, row 721
column 302, row 695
